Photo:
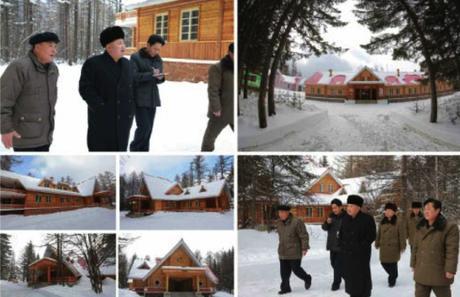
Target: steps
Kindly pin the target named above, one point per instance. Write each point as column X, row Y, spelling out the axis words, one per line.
column 182, row 294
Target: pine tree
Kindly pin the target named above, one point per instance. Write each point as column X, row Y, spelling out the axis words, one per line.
column 5, row 256
column 28, row 256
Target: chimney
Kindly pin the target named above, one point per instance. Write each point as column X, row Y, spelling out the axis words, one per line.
column 147, row 257
column 158, row 260
column 330, row 72
column 397, row 72
column 202, row 189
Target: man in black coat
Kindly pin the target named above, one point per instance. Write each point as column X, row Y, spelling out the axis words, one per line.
column 356, row 235
column 106, row 86
column 147, row 73
column 332, row 226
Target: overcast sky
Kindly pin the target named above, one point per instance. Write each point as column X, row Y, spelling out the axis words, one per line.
column 77, row 167
column 351, row 36
column 19, row 239
column 164, row 166
column 159, row 243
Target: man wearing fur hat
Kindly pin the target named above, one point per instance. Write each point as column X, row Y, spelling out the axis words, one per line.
column 29, row 95
column 148, row 73
column 220, row 95
column 391, row 240
column 293, row 245
column 412, row 220
column 356, row 236
column 106, row 86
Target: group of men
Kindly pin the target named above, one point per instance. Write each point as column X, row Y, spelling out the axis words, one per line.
column 114, row 88
column 433, row 240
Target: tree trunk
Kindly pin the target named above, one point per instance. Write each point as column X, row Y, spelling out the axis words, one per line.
column 88, row 31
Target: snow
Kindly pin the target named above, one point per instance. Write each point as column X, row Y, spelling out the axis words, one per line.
column 81, row 289
column 127, row 293
column 258, row 273
column 136, row 271
column 91, row 218
column 222, row 294
column 350, row 127
column 179, row 123
column 85, row 188
column 178, row 220
column 158, row 187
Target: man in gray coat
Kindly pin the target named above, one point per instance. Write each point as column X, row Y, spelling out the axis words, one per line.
column 148, row 73
column 293, row 245
column 220, row 94
column 29, row 94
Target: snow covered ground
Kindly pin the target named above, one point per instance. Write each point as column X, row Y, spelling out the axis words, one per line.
column 91, row 218
column 179, row 123
column 128, row 293
column 81, row 289
column 258, row 269
column 179, row 220
column 351, row 127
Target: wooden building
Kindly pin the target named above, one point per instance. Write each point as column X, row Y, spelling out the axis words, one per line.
column 314, row 207
column 197, row 33
column 368, row 86
column 21, row 194
column 160, row 194
column 44, row 271
column 178, row 271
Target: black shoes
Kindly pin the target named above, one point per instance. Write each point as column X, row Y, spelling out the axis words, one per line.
column 308, row 282
column 282, row 292
column 335, row 286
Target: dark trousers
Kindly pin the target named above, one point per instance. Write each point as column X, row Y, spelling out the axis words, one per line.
column 425, row 291
column 286, row 268
column 336, row 263
column 215, row 126
column 44, row 148
column 392, row 270
column 144, row 121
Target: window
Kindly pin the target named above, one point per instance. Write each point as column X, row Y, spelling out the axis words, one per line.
column 330, row 188
column 197, row 203
column 309, row 212
column 62, row 199
column 312, row 91
column 319, row 91
column 157, row 283
column 340, row 92
column 189, row 24
column 68, row 200
column 161, row 25
column 321, row 188
column 320, row 212
column 38, row 198
column 48, row 199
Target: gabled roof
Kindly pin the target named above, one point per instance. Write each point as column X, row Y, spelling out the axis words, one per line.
column 158, row 188
column 368, row 69
column 189, row 252
column 51, row 255
column 322, row 172
column 29, row 183
column 140, row 268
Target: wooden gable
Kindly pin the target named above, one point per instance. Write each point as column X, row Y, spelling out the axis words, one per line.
column 176, row 190
column 366, row 75
column 179, row 258
column 326, row 184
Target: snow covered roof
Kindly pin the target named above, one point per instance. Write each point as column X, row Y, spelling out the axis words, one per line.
column 158, row 188
column 108, row 267
column 85, row 188
column 140, row 267
column 143, row 3
column 51, row 254
column 189, row 252
column 321, row 172
column 387, row 78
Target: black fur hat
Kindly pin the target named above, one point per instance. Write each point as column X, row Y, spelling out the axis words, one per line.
column 110, row 34
column 356, row 200
column 43, row 37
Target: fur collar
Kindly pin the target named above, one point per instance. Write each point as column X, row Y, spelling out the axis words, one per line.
column 392, row 221
column 439, row 224
column 144, row 54
column 227, row 63
column 419, row 215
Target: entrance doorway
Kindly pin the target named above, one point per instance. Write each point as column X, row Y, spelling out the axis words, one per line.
column 366, row 94
column 181, row 285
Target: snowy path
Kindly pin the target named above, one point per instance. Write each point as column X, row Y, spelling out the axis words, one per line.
column 373, row 127
column 21, row 290
column 94, row 218
column 258, row 269
column 179, row 221
column 179, row 123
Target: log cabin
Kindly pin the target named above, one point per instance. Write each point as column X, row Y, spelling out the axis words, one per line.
column 197, row 33
column 314, row 206
column 369, row 86
column 160, row 194
column 178, row 271
column 22, row 194
column 44, row 271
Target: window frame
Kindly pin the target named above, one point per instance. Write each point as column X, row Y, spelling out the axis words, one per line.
column 190, row 10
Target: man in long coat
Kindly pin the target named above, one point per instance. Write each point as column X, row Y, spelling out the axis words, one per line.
column 29, row 95
column 332, row 226
column 220, row 95
column 356, row 236
column 434, row 257
column 293, row 245
column 106, row 86
column 413, row 219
